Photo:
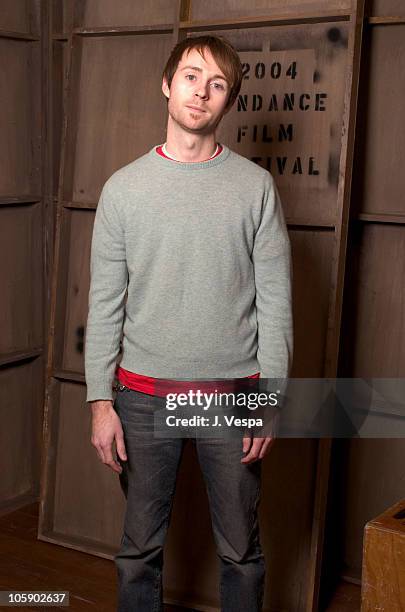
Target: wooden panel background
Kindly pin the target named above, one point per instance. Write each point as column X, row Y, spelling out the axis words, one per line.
column 373, row 345
column 106, row 129
column 113, row 115
column 23, row 254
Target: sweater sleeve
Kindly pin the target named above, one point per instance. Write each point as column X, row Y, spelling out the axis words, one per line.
column 108, row 284
column 273, row 278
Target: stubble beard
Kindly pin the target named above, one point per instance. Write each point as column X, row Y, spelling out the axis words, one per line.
column 206, row 128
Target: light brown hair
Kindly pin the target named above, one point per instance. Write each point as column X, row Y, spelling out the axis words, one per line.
column 223, row 53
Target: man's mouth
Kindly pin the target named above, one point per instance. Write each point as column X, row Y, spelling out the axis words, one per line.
column 195, row 108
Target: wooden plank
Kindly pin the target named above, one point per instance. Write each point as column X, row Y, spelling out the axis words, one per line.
column 343, row 203
column 381, row 218
column 62, row 15
column 182, row 8
column 18, row 35
column 68, row 9
column 279, row 8
column 19, row 156
column 18, row 200
column 55, row 9
column 78, row 475
column 15, row 16
column 49, row 209
column 70, row 106
column 387, row 8
column 100, row 13
column 336, row 290
column 127, row 124
column 57, row 63
column 69, row 376
column 17, row 356
column 312, row 251
column 80, row 205
column 54, row 316
column 373, row 335
column 21, row 275
column 308, row 222
column 20, row 408
column 58, row 315
column 36, row 117
column 264, row 20
column 74, row 306
column 35, row 8
column 46, row 97
column 123, row 31
column 386, row 20
column 383, row 145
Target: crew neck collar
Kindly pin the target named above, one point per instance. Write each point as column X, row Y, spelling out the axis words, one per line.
column 162, row 149
column 189, row 166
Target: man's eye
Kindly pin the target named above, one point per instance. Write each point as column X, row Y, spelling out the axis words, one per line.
column 190, row 75
column 218, row 86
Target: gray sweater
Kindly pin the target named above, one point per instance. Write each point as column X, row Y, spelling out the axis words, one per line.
column 191, row 266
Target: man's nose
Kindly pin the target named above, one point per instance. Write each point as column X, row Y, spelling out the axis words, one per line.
column 202, row 90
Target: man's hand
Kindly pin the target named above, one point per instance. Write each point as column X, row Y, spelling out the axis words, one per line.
column 106, row 426
column 257, row 447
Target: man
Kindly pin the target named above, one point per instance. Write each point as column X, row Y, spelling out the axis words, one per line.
column 191, row 260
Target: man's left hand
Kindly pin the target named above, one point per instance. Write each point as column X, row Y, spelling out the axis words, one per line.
column 256, row 448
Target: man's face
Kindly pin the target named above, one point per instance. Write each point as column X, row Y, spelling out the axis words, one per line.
column 198, row 93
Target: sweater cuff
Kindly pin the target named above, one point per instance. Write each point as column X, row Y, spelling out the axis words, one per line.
column 99, row 391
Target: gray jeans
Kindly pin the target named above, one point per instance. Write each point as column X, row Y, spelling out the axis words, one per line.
column 148, row 480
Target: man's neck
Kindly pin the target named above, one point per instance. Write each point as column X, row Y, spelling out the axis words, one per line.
column 189, row 147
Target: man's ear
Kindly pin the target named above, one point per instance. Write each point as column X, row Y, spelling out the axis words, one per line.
column 165, row 88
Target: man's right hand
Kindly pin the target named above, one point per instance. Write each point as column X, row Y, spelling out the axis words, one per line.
column 106, row 426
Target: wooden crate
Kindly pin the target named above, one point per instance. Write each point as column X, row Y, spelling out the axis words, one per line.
column 383, row 577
